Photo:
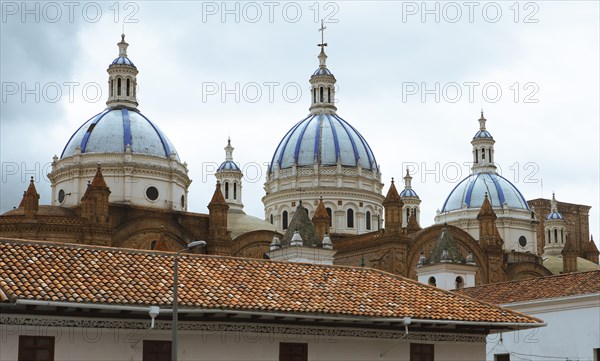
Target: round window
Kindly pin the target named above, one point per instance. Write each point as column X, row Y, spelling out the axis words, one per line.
column 522, row 241
column 182, row 201
column 61, row 196
column 152, row 193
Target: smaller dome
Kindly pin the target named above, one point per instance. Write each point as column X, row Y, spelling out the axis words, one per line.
column 408, row 193
column 228, row 165
column 554, row 215
column 322, row 71
column 482, row 134
column 122, row 60
column 470, row 192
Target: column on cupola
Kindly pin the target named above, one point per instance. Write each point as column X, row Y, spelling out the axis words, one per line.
column 483, row 149
column 230, row 176
column 555, row 230
column 122, row 79
column 411, row 201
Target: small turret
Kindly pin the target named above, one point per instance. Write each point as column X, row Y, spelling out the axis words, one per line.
column 393, row 210
column 230, row 176
column 591, row 251
column 31, row 200
column 321, row 219
column 483, row 149
column 569, row 256
column 217, row 221
column 94, row 203
column 411, row 201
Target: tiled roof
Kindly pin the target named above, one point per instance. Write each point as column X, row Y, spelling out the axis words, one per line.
column 74, row 273
column 570, row 284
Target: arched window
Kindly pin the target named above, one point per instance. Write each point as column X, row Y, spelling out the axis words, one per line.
column 490, row 155
column 556, row 236
column 112, row 87
column 153, row 244
column 562, row 236
column 118, row 86
column 407, row 214
column 350, row 218
column 482, row 154
column 329, row 95
column 234, row 190
column 226, row 190
column 128, row 85
column 460, row 283
column 271, row 217
column 476, row 155
column 306, row 209
column 368, row 222
column 330, row 214
column 321, row 94
column 284, row 219
column 314, row 95
column 431, row 281
column 549, row 239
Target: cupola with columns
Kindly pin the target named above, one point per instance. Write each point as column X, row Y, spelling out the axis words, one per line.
column 122, row 80
column 483, row 149
column 230, row 176
column 411, row 201
column 555, row 230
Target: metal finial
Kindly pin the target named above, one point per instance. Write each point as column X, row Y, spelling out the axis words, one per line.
column 322, row 30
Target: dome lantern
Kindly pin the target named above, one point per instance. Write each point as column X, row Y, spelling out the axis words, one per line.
column 322, row 83
column 122, row 79
column 483, row 149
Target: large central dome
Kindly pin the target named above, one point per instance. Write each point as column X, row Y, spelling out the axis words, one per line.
column 323, row 139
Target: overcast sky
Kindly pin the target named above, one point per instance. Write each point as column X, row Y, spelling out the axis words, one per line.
column 412, row 79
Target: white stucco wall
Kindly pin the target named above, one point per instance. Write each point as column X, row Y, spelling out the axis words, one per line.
column 122, row 344
column 573, row 331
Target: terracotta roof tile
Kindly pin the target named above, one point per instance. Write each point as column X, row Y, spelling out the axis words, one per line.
column 570, row 284
column 74, row 273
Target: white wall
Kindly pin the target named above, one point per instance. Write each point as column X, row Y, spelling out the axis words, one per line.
column 112, row 344
column 573, row 330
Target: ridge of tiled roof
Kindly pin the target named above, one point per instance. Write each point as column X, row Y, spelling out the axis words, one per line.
column 548, row 287
column 48, row 271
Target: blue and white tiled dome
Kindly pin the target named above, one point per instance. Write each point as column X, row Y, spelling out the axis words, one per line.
column 471, row 192
column 482, row 134
column 408, row 193
column 322, row 139
column 322, row 71
column 554, row 215
column 228, row 165
column 122, row 60
column 113, row 129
